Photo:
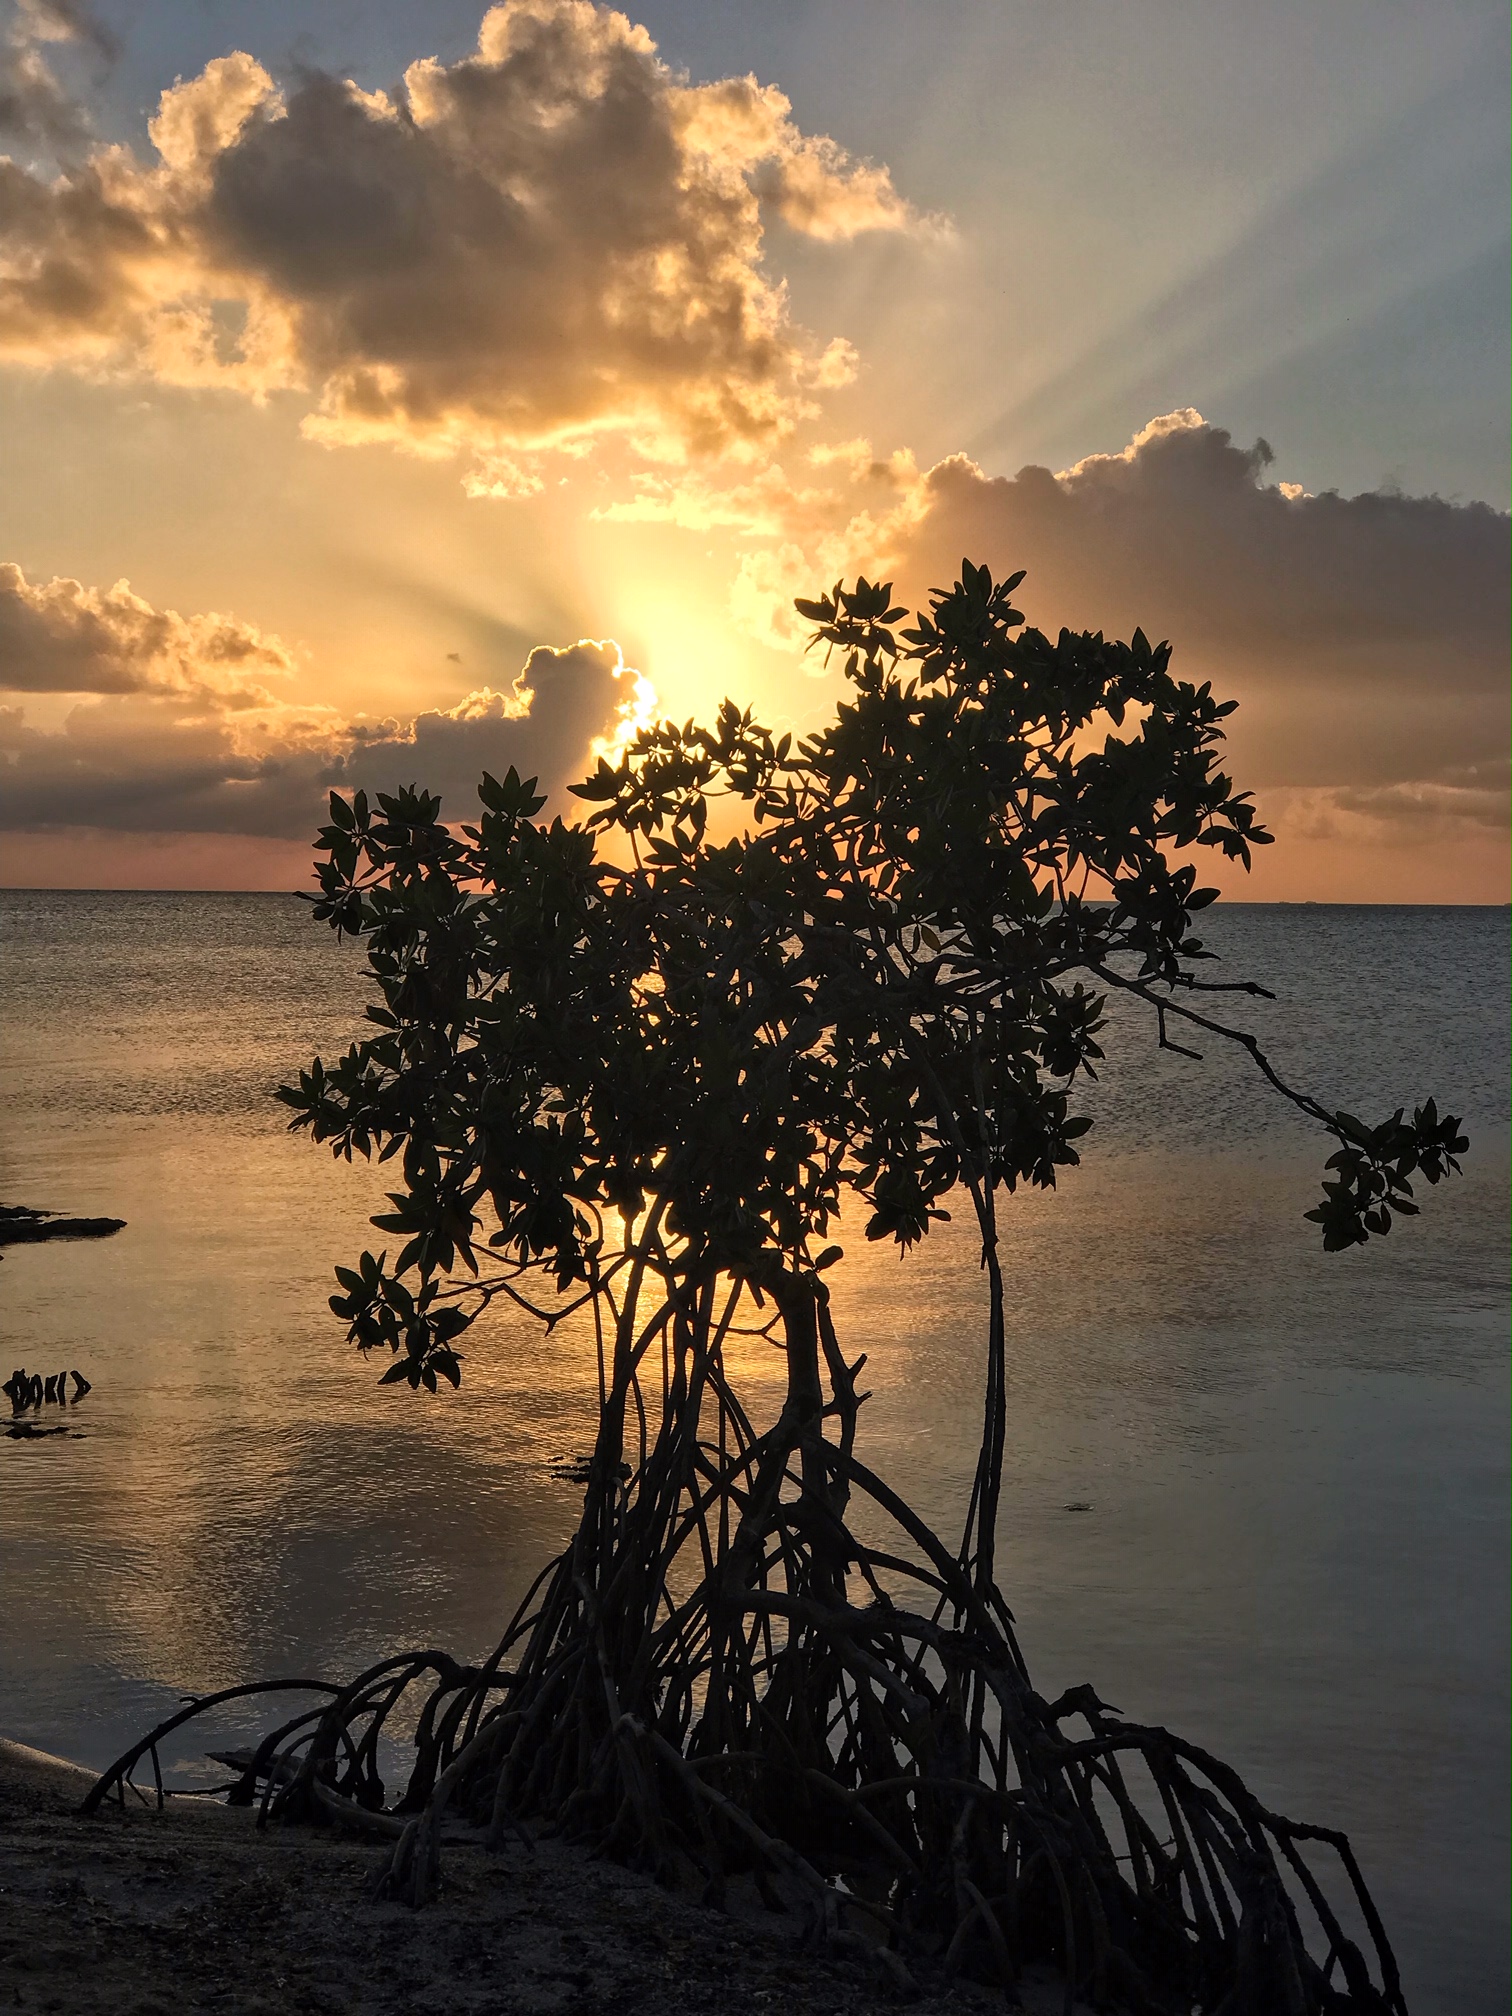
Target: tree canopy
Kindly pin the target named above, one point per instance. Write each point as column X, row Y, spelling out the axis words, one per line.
column 635, row 1068
column 888, row 983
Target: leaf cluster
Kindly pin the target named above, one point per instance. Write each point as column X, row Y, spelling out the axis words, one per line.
column 887, row 984
column 1372, row 1171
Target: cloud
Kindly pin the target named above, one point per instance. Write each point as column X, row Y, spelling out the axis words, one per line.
column 60, row 637
column 156, row 758
column 1420, row 811
column 34, row 106
column 1365, row 637
column 140, row 763
column 65, row 21
column 561, row 703
column 743, row 128
column 552, row 240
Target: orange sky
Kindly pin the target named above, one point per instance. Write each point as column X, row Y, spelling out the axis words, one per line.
column 327, row 403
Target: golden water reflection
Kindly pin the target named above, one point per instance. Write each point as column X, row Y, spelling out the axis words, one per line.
column 1296, row 1467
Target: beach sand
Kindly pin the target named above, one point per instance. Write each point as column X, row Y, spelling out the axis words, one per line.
column 141, row 1913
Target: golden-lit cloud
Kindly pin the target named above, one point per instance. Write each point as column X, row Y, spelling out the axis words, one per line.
column 179, row 741
column 550, row 258
column 562, row 702
column 61, row 637
column 744, row 131
column 554, row 240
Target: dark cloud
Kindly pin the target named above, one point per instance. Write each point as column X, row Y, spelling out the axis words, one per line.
column 553, row 238
column 1366, row 637
column 1466, row 795
column 162, row 764
column 1184, row 526
column 154, row 765
column 559, row 703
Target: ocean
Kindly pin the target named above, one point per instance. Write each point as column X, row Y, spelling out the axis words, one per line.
column 1294, row 1467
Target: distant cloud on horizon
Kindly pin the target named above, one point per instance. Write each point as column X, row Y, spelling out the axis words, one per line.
column 1366, row 638
column 177, row 758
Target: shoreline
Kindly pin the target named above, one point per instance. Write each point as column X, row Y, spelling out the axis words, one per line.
column 141, row 1913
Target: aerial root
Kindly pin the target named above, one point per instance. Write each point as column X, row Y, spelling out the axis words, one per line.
column 885, row 1771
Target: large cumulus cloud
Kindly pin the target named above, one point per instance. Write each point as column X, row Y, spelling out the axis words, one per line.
column 552, row 239
column 1366, row 638
column 562, row 701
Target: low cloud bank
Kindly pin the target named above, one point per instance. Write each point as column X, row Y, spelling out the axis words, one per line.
column 1366, row 638
column 157, row 752
column 1375, row 599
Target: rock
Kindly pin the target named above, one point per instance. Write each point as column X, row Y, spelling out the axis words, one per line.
column 36, row 1226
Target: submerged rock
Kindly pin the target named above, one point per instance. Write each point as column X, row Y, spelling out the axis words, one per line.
column 21, row 1225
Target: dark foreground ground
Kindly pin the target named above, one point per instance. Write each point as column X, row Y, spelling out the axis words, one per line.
column 148, row 1914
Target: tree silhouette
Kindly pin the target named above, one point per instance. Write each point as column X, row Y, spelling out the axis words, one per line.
column 631, row 1073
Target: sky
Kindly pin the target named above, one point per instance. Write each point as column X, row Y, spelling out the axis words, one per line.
column 388, row 393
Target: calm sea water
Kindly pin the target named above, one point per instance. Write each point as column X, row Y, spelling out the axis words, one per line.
column 1296, row 1466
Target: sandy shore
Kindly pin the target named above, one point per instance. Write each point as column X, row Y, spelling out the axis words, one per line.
column 148, row 1914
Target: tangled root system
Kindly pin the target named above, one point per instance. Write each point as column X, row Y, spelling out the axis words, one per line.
column 850, row 1724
